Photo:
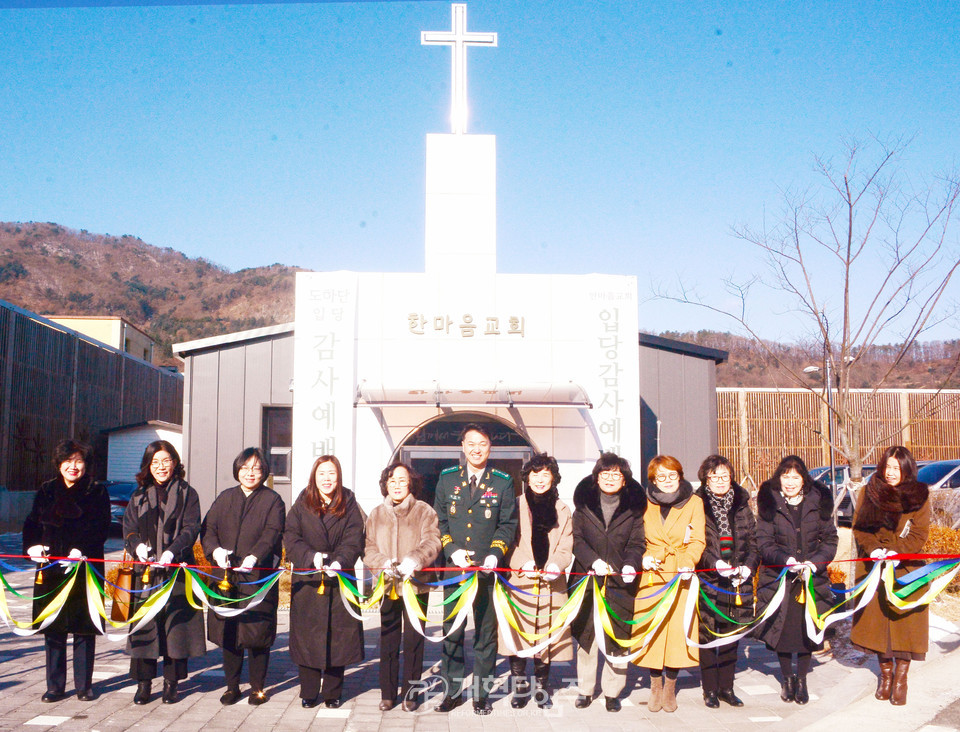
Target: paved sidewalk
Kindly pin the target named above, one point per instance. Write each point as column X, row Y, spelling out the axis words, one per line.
column 841, row 693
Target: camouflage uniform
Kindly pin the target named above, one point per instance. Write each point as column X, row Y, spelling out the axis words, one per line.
column 483, row 521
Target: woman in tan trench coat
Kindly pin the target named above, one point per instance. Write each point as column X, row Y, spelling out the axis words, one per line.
column 892, row 517
column 544, row 550
column 674, row 528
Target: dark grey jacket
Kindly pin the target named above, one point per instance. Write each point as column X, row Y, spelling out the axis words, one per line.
column 174, row 526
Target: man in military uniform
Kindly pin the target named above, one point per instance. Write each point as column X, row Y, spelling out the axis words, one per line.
column 477, row 508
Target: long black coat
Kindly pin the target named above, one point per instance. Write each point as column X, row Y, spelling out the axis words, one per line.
column 176, row 529
column 246, row 525
column 778, row 539
column 322, row 632
column 619, row 543
column 743, row 526
column 63, row 519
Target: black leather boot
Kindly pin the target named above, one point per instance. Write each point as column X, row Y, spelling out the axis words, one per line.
column 170, row 695
column 541, row 688
column 143, row 693
column 521, row 684
column 788, row 688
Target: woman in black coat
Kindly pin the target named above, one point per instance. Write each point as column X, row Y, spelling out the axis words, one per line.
column 325, row 531
column 160, row 525
column 729, row 561
column 608, row 540
column 244, row 530
column 70, row 518
column 795, row 529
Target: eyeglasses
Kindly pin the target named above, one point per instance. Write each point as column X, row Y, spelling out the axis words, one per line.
column 667, row 477
column 610, row 475
column 718, row 478
column 165, row 463
column 399, row 482
column 249, row 469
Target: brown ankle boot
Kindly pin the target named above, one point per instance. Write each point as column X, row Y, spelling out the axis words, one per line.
column 669, row 694
column 898, row 694
column 885, row 682
column 656, row 694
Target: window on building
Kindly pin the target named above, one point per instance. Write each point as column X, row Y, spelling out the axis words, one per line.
column 278, row 440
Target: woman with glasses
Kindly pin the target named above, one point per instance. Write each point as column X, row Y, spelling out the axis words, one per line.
column 608, row 544
column 543, row 551
column 403, row 537
column 160, row 526
column 728, row 564
column 795, row 531
column 70, row 518
column 674, row 527
column 243, row 534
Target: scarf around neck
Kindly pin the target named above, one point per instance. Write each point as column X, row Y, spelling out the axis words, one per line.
column 543, row 517
column 666, row 501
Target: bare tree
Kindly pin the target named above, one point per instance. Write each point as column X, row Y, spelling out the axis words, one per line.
column 863, row 261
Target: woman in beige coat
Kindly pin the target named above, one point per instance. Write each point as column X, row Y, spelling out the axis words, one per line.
column 674, row 527
column 403, row 536
column 544, row 549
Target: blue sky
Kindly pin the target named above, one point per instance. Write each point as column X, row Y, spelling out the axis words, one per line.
column 631, row 136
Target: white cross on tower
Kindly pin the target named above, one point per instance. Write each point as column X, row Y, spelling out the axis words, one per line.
column 458, row 39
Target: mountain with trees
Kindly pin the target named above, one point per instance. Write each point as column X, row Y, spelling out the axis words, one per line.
column 53, row 270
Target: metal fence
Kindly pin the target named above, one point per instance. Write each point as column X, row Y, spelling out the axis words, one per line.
column 757, row 427
column 56, row 383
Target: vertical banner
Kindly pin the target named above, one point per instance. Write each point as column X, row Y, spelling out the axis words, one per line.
column 324, row 372
column 615, row 363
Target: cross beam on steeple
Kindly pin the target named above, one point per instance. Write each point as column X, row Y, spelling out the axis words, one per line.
column 458, row 39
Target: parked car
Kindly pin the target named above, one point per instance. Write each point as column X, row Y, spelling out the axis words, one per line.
column 841, row 477
column 941, row 474
column 120, row 492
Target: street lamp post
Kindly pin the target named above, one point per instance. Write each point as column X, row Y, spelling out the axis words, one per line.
column 828, row 388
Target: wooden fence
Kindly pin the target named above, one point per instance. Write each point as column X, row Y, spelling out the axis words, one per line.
column 56, row 383
column 757, row 427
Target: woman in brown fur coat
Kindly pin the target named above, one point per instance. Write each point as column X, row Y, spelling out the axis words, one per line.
column 892, row 516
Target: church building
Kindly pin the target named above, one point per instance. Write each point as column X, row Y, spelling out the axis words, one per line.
column 381, row 366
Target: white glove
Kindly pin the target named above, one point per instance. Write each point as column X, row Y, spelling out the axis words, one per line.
column 76, row 555
column 686, row 573
column 332, row 569
column 891, row 553
column 461, row 557
column 650, row 563
column 628, row 573
column 600, row 568
column 725, row 568
column 744, row 571
column 529, row 569
column 551, row 572
column 809, row 568
column 221, row 555
column 143, row 552
column 793, row 565
column 166, row 557
column 407, row 567
column 248, row 563
column 878, row 554
column 318, row 560
column 37, row 552
column 489, row 563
